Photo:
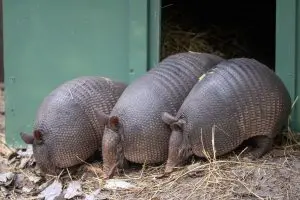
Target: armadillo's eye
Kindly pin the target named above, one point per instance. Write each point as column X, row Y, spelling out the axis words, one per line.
column 38, row 137
column 176, row 127
column 114, row 123
column 116, row 128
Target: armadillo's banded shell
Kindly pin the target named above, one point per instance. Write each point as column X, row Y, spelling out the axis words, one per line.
column 163, row 88
column 242, row 98
column 67, row 118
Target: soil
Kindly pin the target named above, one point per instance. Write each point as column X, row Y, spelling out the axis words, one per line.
column 275, row 176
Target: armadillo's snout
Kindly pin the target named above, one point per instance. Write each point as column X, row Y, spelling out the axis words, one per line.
column 48, row 167
column 109, row 171
column 178, row 151
column 110, row 143
column 43, row 159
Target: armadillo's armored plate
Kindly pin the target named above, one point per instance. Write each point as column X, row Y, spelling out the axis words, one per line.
column 238, row 99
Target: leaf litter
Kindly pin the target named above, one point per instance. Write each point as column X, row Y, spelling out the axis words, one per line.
column 276, row 176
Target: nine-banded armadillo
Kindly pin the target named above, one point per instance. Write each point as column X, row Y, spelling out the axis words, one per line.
column 66, row 130
column 134, row 130
column 239, row 99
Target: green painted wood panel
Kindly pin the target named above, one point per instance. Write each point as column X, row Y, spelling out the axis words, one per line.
column 154, row 18
column 287, row 51
column 49, row 42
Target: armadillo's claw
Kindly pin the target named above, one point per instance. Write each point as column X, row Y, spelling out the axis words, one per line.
column 168, row 170
column 164, row 175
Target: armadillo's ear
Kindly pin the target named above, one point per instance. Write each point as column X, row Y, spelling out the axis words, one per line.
column 37, row 135
column 27, row 138
column 102, row 117
column 114, row 122
column 167, row 118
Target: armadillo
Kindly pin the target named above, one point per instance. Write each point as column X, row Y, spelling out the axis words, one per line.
column 240, row 100
column 66, row 131
column 134, row 129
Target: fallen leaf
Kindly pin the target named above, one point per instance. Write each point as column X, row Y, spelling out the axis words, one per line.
column 40, row 188
column 60, row 197
column 26, row 189
column 4, row 150
column 27, row 153
column 4, row 191
column 19, row 182
column 92, row 196
column 115, row 184
column 74, row 189
column 34, row 178
column 26, row 186
column 52, row 191
column 12, row 161
column 12, row 155
column 3, row 165
column 24, row 162
column 7, row 178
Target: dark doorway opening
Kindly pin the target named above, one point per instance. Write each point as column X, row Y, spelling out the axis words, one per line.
column 227, row 28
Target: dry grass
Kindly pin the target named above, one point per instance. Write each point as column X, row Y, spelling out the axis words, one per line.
column 273, row 177
column 224, row 43
column 178, row 36
column 218, row 179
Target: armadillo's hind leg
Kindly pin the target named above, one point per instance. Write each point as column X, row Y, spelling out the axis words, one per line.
column 260, row 146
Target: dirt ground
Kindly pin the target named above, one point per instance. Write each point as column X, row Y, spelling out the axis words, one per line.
column 275, row 176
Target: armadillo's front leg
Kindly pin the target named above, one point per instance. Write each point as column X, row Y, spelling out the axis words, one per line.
column 262, row 145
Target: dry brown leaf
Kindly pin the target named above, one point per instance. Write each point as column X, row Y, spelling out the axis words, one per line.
column 92, row 195
column 52, row 191
column 73, row 190
column 7, row 178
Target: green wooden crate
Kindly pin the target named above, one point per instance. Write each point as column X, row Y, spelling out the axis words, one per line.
column 47, row 42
